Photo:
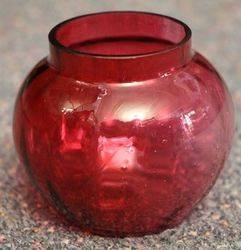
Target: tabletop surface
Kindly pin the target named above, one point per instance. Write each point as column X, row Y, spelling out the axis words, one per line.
column 25, row 220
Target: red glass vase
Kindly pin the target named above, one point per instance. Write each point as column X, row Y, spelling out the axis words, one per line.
column 124, row 128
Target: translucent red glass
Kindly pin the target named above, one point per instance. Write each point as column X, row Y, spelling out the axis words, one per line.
column 124, row 128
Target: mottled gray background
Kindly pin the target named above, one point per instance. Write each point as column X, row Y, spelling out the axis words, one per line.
column 25, row 221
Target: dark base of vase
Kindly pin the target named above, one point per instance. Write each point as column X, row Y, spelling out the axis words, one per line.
column 116, row 234
column 119, row 234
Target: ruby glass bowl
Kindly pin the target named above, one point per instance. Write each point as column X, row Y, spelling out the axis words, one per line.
column 123, row 127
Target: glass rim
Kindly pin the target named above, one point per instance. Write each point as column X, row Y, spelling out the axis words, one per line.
column 55, row 42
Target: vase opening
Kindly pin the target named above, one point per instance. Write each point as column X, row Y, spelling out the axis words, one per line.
column 152, row 41
column 120, row 34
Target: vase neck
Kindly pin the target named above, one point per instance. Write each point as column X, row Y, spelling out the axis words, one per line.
column 116, row 47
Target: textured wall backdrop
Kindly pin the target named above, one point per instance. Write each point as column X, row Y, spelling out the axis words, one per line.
column 25, row 221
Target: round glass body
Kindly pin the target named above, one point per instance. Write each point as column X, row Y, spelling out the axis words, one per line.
column 124, row 128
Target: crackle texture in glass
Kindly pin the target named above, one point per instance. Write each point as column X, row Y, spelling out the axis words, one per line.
column 124, row 128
